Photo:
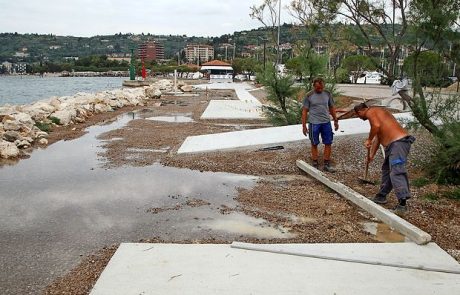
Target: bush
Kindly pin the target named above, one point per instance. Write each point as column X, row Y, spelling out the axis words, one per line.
column 430, row 197
column 285, row 109
column 55, row 120
column 420, row 182
column 453, row 194
column 43, row 126
column 445, row 165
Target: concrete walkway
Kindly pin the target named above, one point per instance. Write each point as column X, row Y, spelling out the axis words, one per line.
column 267, row 136
column 246, row 107
column 219, row 269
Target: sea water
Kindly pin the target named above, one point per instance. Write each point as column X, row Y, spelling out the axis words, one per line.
column 16, row 90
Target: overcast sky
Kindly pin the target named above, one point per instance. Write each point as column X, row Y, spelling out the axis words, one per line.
column 106, row 17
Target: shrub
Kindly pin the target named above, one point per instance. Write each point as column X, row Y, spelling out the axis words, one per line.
column 453, row 194
column 55, row 120
column 419, row 182
column 43, row 126
column 430, row 197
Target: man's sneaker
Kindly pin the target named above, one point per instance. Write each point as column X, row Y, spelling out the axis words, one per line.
column 328, row 167
column 400, row 210
column 380, row 199
column 315, row 164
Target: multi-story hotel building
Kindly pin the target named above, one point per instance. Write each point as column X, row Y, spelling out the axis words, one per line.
column 151, row 50
column 195, row 52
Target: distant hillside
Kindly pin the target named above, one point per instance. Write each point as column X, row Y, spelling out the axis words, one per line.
column 35, row 48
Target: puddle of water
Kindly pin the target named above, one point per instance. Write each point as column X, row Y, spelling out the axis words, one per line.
column 237, row 223
column 172, row 119
column 384, row 233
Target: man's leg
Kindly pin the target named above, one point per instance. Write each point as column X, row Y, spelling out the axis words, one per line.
column 327, row 152
column 314, row 156
column 327, row 136
column 398, row 174
column 385, row 186
column 314, row 139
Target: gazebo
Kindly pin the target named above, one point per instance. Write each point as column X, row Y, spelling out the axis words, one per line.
column 218, row 71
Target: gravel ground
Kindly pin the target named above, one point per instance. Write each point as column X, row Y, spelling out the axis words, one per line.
column 284, row 195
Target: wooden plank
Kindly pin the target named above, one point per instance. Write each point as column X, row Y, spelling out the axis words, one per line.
column 409, row 230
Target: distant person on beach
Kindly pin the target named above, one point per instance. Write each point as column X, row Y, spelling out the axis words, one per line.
column 317, row 105
column 387, row 131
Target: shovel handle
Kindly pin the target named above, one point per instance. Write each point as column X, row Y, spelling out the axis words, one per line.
column 367, row 163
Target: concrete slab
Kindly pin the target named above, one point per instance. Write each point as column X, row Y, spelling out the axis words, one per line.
column 267, row 136
column 366, row 91
column 219, row 269
column 396, row 222
column 246, row 107
column 232, row 109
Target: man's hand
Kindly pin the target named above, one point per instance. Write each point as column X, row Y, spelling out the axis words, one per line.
column 336, row 125
column 368, row 143
column 305, row 130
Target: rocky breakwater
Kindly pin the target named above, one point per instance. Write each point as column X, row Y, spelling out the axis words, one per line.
column 25, row 125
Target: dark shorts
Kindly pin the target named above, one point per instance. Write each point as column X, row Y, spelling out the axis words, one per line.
column 325, row 129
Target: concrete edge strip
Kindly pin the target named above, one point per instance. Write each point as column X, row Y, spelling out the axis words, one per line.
column 254, row 247
column 411, row 231
column 181, row 151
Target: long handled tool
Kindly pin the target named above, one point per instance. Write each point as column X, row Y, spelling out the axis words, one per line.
column 366, row 170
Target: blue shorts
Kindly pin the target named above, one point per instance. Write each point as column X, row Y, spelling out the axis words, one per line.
column 325, row 129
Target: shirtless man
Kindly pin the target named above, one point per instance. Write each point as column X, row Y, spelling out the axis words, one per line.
column 387, row 131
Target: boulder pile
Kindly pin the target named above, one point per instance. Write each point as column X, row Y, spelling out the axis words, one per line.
column 23, row 125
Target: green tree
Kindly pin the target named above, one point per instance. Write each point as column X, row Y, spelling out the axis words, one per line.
column 434, row 23
column 374, row 20
column 285, row 110
column 431, row 68
column 357, row 64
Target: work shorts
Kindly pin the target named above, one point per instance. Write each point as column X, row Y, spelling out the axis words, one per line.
column 325, row 129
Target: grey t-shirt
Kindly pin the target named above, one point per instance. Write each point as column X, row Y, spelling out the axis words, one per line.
column 318, row 105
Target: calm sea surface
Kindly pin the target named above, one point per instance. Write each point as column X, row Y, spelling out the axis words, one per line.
column 27, row 89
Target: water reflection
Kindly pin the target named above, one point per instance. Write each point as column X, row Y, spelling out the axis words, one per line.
column 172, row 119
column 384, row 233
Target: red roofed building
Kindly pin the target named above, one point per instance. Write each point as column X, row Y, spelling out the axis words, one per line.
column 218, row 71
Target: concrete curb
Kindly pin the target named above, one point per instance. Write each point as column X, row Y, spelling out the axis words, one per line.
column 409, row 230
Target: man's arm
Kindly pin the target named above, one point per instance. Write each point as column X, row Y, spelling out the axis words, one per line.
column 304, row 120
column 375, row 128
column 374, row 148
column 334, row 116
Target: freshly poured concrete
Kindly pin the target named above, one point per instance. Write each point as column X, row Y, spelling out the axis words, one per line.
column 267, row 136
column 220, row 269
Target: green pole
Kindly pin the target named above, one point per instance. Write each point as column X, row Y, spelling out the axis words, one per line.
column 132, row 71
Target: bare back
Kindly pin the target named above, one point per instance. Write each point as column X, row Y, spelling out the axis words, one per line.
column 388, row 128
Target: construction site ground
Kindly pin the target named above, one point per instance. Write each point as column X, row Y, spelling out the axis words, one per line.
column 283, row 195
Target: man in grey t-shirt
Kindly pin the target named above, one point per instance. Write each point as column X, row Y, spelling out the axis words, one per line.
column 319, row 103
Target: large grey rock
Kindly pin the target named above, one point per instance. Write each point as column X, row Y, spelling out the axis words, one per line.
column 11, row 125
column 152, row 92
column 24, row 119
column 22, row 144
column 11, row 136
column 186, row 88
column 8, row 150
column 43, row 141
column 64, row 116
